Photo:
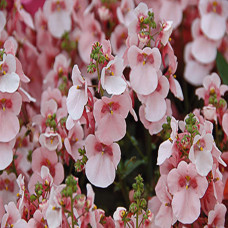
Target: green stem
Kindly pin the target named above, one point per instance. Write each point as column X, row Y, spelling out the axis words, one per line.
column 137, row 218
column 136, row 147
column 99, row 77
column 72, row 212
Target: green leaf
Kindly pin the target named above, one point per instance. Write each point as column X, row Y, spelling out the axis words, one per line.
column 131, row 166
column 222, row 67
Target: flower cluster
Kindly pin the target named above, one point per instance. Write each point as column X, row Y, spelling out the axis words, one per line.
column 95, row 92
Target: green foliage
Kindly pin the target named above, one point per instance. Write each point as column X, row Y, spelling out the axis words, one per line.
column 3, row 4
column 71, row 187
column 80, row 163
column 222, row 67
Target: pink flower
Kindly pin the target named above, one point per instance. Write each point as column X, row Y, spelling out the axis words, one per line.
column 2, row 21
column 195, row 71
column 77, row 96
column 211, row 85
column 203, row 49
column 118, row 216
column 144, row 66
column 110, row 114
column 167, row 28
column 214, row 15
column 10, row 106
column 124, row 12
column 134, row 36
column 112, row 77
column 44, row 177
column 104, row 13
column 9, row 80
column 43, row 157
column 54, row 209
column 23, row 15
column 209, row 113
column 74, row 141
column 156, row 100
column 200, row 153
column 164, row 216
column 225, row 123
column 12, row 218
column 187, row 187
column 50, row 140
column 8, row 188
column 91, row 32
column 216, row 217
column 175, row 14
column 165, row 149
column 61, row 66
column 58, row 13
column 118, row 40
column 154, row 127
column 37, row 220
column 102, row 161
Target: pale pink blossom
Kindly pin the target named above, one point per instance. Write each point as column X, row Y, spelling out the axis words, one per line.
column 50, row 140
column 203, row 49
column 216, row 217
column 10, row 106
column 164, row 217
column 110, row 114
column 74, row 141
column 102, row 161
column 187, row 187
column 8, row 188
column 200, row 153
column 165, row 149
column 124, row 12
column 9, row 79
column 23, row 15
column 12, row 218
column 118, row 216
column 43, row 157
column 225, row 123
column 44, row 177
column 58, row 13
column 214, row 15
column 194, row 71
column 144, row 67
column 91, row 32
column 176, row 13
column 168, row 55
column 209, row 113
column 118, row 40
column 37, row 220
column 2, row 21
column 154, row 127
column 164, row 35
column 54, row 209
column 77, row 96
column 104, row 13
column 112, row 77
column 156, row 100
column 134, row 36
column 61, row 66
column 211, row 85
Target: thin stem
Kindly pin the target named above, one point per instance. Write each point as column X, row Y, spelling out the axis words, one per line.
column 137, row 219
column 99, row 78
column 72, row 212
column 136, row 147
